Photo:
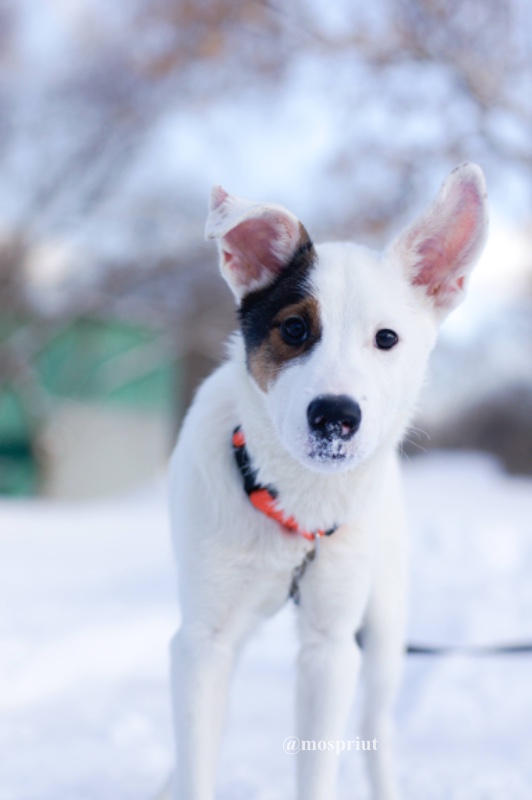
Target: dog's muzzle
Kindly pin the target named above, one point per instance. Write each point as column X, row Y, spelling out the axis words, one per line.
column 333, row 417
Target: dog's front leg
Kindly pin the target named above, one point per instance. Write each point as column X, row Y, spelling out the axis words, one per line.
column 202, row 661
column 328, row 670
column 333, row 596
column 383, row 648
column 221, row 607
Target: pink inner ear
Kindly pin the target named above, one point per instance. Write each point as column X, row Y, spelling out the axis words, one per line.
column 455, row 234
column 259, row 248
column 218, row 196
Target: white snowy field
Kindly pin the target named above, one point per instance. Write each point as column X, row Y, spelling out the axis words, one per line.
column 87, row 606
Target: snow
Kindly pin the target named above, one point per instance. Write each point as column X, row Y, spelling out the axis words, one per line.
column 88, row 607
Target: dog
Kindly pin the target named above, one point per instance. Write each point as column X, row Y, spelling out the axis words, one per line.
column 285, row 479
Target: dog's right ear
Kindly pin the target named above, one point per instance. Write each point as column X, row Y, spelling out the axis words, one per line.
column 256, row 240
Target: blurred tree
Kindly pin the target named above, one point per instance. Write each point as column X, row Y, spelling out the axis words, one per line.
column 411, row 87
column 462, row 67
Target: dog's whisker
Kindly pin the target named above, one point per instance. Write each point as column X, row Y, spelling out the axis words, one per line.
column 415, row 444
column 419, row 432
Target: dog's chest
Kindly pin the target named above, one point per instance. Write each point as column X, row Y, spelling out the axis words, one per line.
column 315, row 501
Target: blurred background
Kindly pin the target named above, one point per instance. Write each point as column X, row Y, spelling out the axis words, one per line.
column 115, row 121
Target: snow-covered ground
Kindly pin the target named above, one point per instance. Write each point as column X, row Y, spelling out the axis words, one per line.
column 87, row 606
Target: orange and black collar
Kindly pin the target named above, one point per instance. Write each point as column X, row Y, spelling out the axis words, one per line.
column 264, row 497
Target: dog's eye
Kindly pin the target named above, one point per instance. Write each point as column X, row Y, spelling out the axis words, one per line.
column 294, row 330
column 385, row 339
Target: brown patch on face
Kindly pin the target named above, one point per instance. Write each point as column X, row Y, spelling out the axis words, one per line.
column 263, row 312
column 267, row 360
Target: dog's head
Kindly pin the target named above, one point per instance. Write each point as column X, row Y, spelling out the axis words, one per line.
column 337, row 336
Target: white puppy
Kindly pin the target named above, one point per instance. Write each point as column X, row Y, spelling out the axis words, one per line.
column 291, row 443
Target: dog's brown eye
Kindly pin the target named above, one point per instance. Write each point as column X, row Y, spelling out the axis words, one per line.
column 294, row 330
column 385, row 339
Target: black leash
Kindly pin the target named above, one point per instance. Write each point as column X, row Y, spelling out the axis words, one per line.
column 470, row 650
column 518, row 648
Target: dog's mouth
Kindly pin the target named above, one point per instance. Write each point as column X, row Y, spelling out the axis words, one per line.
column 324, row 456
column 327, row 452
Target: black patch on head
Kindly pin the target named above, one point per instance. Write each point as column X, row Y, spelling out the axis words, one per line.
column 258, row 309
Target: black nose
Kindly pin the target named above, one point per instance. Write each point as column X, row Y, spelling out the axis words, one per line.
column 334, row 416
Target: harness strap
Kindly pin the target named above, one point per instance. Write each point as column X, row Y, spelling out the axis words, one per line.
column 264, row 498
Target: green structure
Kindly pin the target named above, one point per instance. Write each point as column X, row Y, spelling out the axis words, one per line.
column 110, row 363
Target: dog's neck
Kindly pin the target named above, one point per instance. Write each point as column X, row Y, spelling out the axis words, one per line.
column 316, row 500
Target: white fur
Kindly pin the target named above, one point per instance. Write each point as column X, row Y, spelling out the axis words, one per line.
column 235, row 565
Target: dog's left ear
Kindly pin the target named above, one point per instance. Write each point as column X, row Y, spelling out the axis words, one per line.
column 256, row 240
column 440, row 249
